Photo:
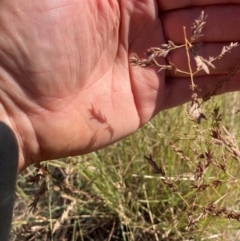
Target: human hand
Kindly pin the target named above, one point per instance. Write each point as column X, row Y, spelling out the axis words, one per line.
column 67, row 87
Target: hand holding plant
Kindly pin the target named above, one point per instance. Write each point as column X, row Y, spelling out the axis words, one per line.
column 66, row 81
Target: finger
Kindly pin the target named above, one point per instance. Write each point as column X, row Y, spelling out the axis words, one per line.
column 179, row 58
column 171, row 5
column 222, row 23
column 178, row 91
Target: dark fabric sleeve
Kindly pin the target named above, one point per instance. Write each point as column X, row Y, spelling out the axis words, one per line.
column 8, row 175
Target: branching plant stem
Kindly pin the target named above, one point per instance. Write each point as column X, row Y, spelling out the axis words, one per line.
column 187, row 45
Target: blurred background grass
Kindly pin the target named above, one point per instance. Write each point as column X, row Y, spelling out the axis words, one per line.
column 116, row 196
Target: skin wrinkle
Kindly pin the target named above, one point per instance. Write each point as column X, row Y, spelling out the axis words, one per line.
column 8, row 58
column 150, row 18
column 69, row 66
column 57, row 11
column 59, row 107
column 21, row 95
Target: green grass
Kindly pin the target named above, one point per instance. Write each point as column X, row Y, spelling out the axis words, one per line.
column 116, row 195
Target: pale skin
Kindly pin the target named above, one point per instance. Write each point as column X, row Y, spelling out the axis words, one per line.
column 66, row 85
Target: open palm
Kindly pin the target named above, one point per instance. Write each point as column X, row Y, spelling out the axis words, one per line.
column 67, row 87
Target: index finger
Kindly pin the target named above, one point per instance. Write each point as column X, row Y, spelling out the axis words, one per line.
column 222, row 23
column 176, row 4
